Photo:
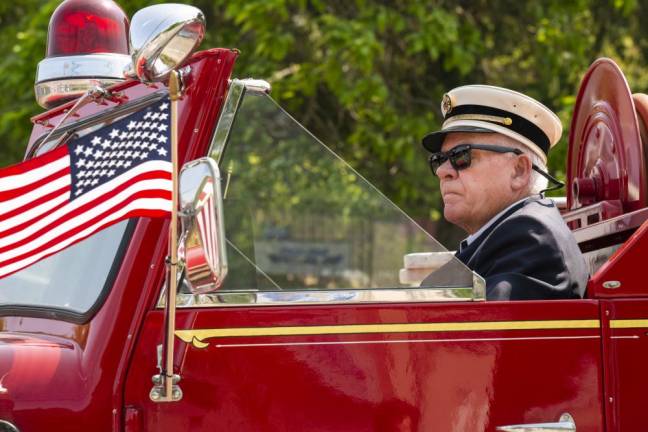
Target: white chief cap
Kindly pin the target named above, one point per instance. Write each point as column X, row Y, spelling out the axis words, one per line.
column 488, row 109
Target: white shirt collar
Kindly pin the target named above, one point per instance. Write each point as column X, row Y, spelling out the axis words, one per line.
column 472, row 237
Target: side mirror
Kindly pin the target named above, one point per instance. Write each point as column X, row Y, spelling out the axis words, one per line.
column 162, row 37
column 202, row 244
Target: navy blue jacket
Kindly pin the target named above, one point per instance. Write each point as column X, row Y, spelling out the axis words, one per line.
column 528, row 253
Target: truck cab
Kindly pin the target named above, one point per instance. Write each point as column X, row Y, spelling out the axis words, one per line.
column 314, row 317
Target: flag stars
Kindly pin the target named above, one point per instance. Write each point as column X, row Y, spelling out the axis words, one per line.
column 107, row 153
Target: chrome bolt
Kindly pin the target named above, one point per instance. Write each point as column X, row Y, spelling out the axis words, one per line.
column 155, row 395
column 177, row 394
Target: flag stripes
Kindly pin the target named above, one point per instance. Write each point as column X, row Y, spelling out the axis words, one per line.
column 55, row 200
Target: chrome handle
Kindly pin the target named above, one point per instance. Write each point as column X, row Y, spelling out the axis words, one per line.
column 565, row 423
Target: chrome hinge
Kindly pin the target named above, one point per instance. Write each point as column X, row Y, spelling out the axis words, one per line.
column 158, row 392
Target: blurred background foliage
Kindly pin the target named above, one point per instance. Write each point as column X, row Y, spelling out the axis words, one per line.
column 367, row 77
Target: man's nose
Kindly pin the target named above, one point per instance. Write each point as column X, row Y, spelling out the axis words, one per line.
column 446, row 171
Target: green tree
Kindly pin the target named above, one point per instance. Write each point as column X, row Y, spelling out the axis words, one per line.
column 367, row 76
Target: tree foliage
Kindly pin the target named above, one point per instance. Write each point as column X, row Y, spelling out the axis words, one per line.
column 367, row 76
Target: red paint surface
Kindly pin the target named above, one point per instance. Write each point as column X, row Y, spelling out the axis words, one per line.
column 605, row 148
column 626, row 351
column 472, row 380
column 63, row 376
column 70, row 377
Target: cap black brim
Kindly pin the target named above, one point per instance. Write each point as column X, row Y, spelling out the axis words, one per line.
column 432, row 142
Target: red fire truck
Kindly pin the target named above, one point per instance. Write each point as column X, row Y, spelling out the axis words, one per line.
column 290, row 309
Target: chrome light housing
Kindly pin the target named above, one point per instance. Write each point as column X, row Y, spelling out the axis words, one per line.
column 87, row 45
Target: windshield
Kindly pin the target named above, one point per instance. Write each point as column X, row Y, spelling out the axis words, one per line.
column 298, row 217
column 72, row 279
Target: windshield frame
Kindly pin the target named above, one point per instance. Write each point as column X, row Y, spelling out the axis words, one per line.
column 220, row 140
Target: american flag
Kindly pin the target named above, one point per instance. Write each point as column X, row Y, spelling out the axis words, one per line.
column 120, row 171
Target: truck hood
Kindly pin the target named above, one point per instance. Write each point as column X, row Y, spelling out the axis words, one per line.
column 38, row 371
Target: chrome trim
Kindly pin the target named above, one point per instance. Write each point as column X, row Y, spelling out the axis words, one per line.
column 50, row 94
column 565, row 423
column 256, row 86
column 100, row 119
column 235, row 95
column 162, row 37
column 6, row 426
column 88, row 65
column 277, row 298
column 614, row 225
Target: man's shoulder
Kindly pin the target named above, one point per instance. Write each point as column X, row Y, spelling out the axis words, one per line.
column 535, row 230
column 531, row 253
column 536, row 216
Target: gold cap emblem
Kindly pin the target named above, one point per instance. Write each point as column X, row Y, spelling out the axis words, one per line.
column 446, row 104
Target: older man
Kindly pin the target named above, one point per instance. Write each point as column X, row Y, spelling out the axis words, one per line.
column 490, row 157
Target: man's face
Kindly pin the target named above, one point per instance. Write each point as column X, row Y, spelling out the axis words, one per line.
column 472, row 196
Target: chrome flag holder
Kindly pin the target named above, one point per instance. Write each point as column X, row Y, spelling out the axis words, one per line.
column 165, row 385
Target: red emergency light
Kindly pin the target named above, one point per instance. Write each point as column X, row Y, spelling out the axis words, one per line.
column 87, row 45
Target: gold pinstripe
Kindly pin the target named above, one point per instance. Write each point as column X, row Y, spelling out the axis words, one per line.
column 629, row 323
column 196, row 336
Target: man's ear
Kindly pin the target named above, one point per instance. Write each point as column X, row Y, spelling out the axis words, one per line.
column 521, row 172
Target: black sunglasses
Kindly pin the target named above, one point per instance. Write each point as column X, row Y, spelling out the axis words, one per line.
column 460, row 158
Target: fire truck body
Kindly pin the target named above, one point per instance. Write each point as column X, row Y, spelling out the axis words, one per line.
column 311, row 328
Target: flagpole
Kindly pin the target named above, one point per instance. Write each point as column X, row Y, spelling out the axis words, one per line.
column 174, row 94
